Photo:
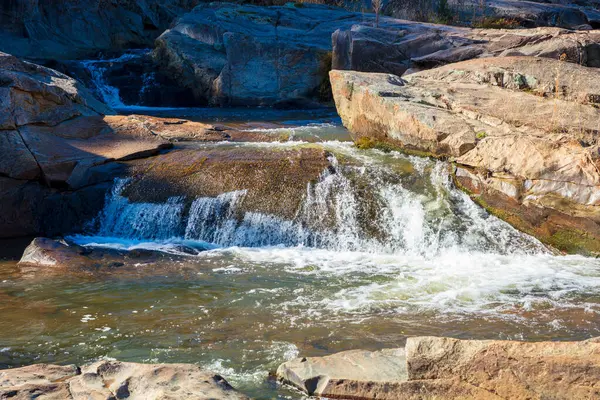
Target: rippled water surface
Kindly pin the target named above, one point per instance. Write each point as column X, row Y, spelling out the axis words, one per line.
column 383, row 248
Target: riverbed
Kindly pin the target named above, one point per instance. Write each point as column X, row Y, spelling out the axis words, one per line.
column 428, row 261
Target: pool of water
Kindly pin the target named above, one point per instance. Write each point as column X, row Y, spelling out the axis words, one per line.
column 427, row 262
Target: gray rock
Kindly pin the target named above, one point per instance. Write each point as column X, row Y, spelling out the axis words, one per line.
column 83, row 28
column 319, row 376
column 399, row 46
column 232, row 54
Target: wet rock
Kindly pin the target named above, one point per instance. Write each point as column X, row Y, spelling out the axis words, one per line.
column 48, row 257
column 482, row 114
column 232, row 54
column 53, row 30
column 114, row 379
column 398, row 46
column 275, row 178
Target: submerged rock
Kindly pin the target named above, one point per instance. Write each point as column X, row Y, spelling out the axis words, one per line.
column 115, row 380
column 484, row 114
column 435, row 368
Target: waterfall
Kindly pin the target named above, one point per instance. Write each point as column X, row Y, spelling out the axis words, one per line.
column 362, row 208
column 107, row 93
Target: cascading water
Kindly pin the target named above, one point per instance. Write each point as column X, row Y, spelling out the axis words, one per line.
column 98, row 69
column 363, row 208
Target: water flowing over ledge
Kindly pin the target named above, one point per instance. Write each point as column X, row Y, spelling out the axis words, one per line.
column 359, row 206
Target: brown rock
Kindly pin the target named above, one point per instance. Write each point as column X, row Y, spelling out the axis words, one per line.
column 44, row 257
column 114, row 379
column 275, row 179
column 510, row 370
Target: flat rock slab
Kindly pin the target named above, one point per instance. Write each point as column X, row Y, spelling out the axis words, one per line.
column 106, row 380
column 316, row 375
column 445, row 368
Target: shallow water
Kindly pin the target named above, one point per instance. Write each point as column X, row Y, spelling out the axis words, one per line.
column 339, row 276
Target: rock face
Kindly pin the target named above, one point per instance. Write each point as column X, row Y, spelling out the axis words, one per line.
column 82, row 28
column 232, row 54
column 522, row 132
column 59, row 152
column 397, row 46
column 528, row 14
column 436, row 368
column 115, row 380
column 275, row 179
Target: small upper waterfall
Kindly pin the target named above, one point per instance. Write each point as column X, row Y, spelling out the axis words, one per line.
column 106, row 92
column 363, row 207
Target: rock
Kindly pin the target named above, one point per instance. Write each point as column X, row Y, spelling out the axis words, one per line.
column 115, row 379
column 48, row 257
column 37, row 374
column 32, row 94
column 320, row 376
column 275, row 179
column 509, row 13
column 398, row 46
column 481, row 114
column 56, row 30
column 511, row 370
column 444, row 368
column 233, row 54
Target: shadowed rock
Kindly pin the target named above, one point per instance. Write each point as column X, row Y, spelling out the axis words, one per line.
column 82, row 28
column 398, row 46
column 232, row 54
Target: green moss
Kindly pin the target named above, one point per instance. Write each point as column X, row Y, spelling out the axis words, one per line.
column 496, row 23
column 481, row 135
column 365, row 142
column 574, row 241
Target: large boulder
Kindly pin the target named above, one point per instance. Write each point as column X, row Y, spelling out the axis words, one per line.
column 483, row 114
column 115, row 380
column 443, row 368
column 82, row 28
column 399, row 46
column 233, row 54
